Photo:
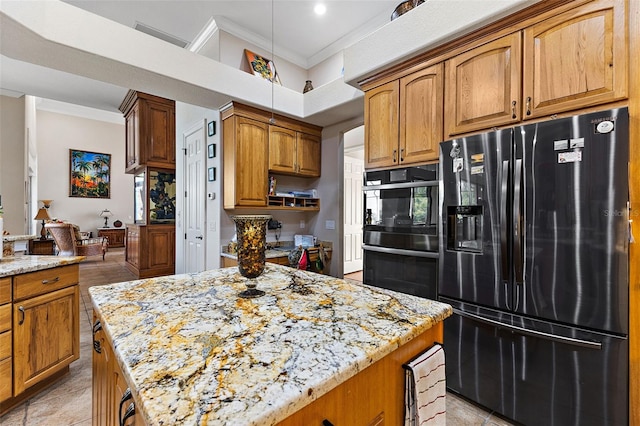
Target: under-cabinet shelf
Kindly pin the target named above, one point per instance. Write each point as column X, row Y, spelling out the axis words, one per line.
column 277, row 202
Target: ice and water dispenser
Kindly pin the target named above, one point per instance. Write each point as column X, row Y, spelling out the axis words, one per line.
column 464, row 228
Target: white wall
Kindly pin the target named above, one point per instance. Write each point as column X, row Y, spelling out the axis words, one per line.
column 12, row 164
column 330, row 190
column 57, row 134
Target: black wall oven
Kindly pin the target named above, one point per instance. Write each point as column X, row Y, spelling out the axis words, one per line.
column 401, row 230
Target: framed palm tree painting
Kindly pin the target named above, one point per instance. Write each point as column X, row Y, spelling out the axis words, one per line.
column 90, row 174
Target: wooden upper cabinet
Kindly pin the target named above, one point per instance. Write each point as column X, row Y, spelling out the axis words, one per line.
column 421, row 111
column 308, row 153
column 482, row 86
column 282, row 150
column 576, row 59
column 245, row 152
column 150, row 135
column 381, row 113
column 293, row 153
column 403, row 119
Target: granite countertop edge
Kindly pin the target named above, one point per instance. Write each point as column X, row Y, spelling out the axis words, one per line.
column 15, row 265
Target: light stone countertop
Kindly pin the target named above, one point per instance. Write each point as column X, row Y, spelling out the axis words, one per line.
column 13, row 238
column 14, row 265
column 194, row 353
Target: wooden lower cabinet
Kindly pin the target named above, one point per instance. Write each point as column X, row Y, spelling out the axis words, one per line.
column 150, row 250
column 375, row 396
column 116, row 236
column 44, row 334
column 112, row 400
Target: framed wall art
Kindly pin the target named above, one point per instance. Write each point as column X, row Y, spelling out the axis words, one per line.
column 262, row 67
column 211, row 150
column 89, row 174
column 211, row 128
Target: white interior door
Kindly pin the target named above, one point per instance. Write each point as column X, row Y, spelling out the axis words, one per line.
column 195, row 226
column 353, row 169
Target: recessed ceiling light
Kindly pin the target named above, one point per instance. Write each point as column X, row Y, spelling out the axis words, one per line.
column 320, row 9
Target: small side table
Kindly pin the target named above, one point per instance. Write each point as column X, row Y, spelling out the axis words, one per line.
column 45, row 247
column 114, row 235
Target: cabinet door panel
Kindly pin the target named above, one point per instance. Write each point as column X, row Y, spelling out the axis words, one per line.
column 421, row 111
column 482, row 86
column 381, row 125
column 161, row 134
column 282, row 150
column 308, row 155
column 132, row 150
column 252, row 178
column 46, row 336
column 575, row 59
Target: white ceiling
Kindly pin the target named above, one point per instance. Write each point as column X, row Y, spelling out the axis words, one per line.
column 296, row 33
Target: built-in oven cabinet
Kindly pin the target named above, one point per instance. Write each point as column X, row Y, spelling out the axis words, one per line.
column 400, row 232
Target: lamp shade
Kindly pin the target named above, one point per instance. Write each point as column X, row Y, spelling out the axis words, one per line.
column 106, row 213
column 42, row 214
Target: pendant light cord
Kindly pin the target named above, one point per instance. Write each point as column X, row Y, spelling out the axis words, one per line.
column 273, row 62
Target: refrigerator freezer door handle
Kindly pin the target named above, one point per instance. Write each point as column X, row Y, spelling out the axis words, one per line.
column 532, row 333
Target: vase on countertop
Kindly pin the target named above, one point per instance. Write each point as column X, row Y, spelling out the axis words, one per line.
column 251, row 233
column 307, row 87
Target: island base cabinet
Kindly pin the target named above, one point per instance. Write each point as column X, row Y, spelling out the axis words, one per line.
column 374, row 397
column 46, row 336
column 111, row 397
column 39, row 331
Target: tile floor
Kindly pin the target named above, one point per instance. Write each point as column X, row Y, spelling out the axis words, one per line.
column 68, row 401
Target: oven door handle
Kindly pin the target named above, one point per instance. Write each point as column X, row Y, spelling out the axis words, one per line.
column 402, row 252
column 401, row 185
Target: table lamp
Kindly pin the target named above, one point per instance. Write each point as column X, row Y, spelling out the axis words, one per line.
column 42, row 215
column 106, row 214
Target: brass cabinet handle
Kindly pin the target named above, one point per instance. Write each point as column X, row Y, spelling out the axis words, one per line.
column 53, row 281
column 528, row 105
column 513, row 110
column 395, row 153
column 21, row 309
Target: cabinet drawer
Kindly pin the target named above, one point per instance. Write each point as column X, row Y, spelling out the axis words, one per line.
column 41, row 282
column 5, row 345
column 5, row 317
column 5, row 290
column 5, row 379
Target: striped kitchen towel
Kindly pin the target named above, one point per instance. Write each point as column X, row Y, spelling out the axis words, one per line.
column 425, row 389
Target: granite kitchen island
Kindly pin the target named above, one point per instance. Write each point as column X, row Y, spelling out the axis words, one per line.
column 192, row 352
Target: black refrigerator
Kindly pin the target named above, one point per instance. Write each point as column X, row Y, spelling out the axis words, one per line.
column 534, row 261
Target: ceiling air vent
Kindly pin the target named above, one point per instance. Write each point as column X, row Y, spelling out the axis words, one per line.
column 160, row 34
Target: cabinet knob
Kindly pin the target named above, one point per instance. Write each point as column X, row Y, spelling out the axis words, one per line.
column 21, row 321
column 513, row 110
column 401, row 154
column 395, row 155
column 528, row 105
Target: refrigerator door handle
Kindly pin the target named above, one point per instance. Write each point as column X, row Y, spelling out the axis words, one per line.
column 532, row 333
column 504, row 188
column 518, row 254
